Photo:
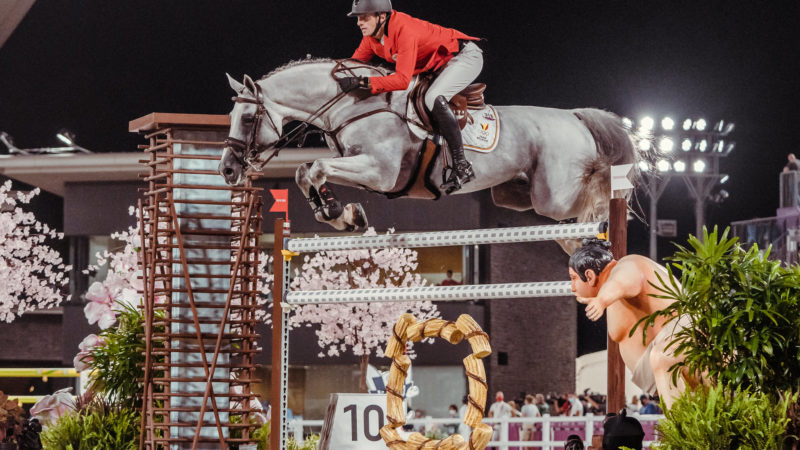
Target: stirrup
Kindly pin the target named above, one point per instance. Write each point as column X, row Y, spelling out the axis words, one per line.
column 458, row 176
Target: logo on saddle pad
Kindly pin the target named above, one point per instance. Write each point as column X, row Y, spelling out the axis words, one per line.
column 482, row 134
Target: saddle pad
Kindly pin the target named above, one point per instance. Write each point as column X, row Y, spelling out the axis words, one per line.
column 483, row 133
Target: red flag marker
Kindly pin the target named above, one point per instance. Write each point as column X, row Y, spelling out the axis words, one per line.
column 281, row 201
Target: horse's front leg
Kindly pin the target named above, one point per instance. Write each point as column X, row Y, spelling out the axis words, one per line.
column 326, row 208
column 357, row 171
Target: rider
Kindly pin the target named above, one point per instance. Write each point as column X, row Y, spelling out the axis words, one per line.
column 417, row 46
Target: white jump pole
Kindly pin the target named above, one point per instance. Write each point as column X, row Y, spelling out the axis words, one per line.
column 448, row 238
column 286, row 247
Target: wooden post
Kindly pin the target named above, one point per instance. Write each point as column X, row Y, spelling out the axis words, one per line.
column 275, row 373
column 618, row 236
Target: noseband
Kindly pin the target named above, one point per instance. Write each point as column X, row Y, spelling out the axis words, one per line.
column 245, row 151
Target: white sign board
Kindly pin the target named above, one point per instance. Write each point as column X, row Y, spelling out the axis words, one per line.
column 353, row 422
column 667, row 228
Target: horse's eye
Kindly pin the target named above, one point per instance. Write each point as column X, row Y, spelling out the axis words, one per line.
column 248, row 119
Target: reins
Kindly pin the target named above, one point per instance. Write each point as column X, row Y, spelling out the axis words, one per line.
column 245, row 152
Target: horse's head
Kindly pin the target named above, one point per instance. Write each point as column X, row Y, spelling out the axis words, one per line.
column 253, row 130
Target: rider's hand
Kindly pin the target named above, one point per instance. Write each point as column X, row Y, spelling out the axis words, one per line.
column 349, row 83
column 594, row 307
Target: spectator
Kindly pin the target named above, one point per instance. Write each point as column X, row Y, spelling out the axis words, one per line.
column 529, row 410
column 649, row 406
column 514, row 409
column 792, row 165
column 453, row 414
column 574, row 442
column 463, row 429
column 449, row 281
column 633, row 407
column 541, row 405
column 576, row 407
column 499, row 410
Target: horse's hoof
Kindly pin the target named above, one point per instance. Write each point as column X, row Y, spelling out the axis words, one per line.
column 332, row 210
column 359, row 216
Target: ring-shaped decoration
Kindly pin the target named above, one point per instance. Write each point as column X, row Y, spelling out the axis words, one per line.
column 407, row 328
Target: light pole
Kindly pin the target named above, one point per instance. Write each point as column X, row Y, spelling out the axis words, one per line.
column 697, row 162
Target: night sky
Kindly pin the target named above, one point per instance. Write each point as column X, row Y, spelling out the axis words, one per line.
column 91, row 66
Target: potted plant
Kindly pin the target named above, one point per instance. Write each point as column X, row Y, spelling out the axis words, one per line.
column 11, row 422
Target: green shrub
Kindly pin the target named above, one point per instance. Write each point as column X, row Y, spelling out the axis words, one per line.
column 96, row 427
column 744, row 310
column 117, row 366
column 720, row 418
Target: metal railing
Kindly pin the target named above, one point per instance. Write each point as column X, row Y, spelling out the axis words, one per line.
column 549, row 432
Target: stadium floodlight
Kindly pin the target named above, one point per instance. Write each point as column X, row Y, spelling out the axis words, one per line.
column 663, row 165
column 702, row 145
column 700, row 125
column 646, row 123
column 686, row 145
column 644, row 166
column 729, row 148
column 644, row 145
column 679, row 166
column 66, row 136
column 699, row 166
column 687, row 124
column 666, row 144
column 628, row 123
column 667, row 123
column 727, row 129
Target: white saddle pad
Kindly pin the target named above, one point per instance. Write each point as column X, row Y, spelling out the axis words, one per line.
column 483, row 133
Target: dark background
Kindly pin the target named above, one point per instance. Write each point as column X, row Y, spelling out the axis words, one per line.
column 93, row 65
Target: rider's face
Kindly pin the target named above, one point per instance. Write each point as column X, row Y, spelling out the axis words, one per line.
column 368, row 22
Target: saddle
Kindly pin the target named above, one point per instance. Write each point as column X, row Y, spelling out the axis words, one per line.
column 470, row 98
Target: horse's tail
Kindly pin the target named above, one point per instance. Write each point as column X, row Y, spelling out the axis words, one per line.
column 614, row 147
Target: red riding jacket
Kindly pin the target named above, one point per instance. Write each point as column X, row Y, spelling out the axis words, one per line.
column 413, row 45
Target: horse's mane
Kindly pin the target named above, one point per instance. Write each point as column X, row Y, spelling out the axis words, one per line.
column 309, row 60
column 295, row 63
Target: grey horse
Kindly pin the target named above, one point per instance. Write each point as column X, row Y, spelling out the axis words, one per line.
column 556, row 162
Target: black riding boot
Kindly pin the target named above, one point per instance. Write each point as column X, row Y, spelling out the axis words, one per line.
column 448, row 127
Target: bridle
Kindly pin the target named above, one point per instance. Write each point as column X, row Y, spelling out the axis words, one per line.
column 246, row 152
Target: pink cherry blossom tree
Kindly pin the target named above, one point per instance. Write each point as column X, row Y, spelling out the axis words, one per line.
column 33, row 274
column 363, row 328
column 122, row 282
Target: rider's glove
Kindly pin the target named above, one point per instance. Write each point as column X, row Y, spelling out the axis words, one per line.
column 349, row 83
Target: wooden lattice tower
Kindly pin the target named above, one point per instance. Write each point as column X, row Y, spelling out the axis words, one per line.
column 200, row 242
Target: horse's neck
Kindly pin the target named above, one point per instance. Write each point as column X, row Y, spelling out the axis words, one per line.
column 299, row 92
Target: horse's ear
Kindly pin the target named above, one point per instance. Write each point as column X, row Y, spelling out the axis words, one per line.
column 250, row 84
column 235, row 85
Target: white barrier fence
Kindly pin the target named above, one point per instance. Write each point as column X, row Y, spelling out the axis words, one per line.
column 552, row 427
column 288, row 246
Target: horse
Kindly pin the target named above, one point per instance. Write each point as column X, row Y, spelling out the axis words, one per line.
column 556, row 162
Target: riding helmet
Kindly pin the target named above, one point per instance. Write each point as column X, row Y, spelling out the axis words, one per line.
column 370, row 7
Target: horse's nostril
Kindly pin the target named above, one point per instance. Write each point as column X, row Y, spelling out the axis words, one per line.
column 228, row 172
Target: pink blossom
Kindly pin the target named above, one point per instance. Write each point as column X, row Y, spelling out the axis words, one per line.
column 82, row 360
column 33, row 273
column 51, row 407
column 363, row 328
